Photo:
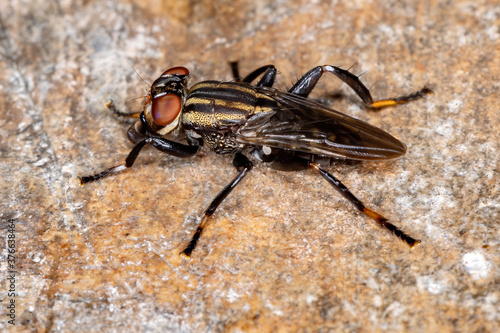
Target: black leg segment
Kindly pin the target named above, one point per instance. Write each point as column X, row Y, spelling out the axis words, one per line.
column 163, row 145
column 268, row 73
column 243, row 165
column 382, row 221
column 235, row 69
column 305, row 85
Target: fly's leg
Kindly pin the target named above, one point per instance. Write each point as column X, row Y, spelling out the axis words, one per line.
column 163, row 145
column 382, row 221
column 139, row 135
column 243, row 165
column 268, row 73
column 112, row 107
column 306, row 84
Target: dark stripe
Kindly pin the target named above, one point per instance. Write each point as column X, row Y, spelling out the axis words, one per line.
column 219, row 104
column 266, row 102
column 229, row 91
column 205, row 108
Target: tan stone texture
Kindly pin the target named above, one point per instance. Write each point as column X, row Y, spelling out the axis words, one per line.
column 284, row 252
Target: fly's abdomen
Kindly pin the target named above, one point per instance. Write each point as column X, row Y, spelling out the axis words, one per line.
column 222, row 106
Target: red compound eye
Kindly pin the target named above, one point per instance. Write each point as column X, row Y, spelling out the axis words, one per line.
column 176, row 71
column 165, row 109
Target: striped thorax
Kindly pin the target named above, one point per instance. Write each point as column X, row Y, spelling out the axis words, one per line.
column 215, row 105
column 216, row 110
column 212, row 110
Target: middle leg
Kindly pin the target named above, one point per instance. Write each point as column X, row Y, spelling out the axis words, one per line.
column 268, row 73
column 243, row 165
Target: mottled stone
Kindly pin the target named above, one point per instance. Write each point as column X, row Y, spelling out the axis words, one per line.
column 284, row 252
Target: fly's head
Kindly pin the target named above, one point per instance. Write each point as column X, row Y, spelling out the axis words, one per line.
column 163, row 105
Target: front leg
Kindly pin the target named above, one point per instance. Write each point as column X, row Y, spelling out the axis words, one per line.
column 112, row 107
column 163, row 145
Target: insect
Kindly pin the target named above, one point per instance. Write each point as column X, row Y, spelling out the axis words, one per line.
column 284, row 129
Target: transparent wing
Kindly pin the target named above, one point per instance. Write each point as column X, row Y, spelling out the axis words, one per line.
column 304, row 125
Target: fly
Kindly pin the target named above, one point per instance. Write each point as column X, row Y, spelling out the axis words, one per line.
column 282, row 128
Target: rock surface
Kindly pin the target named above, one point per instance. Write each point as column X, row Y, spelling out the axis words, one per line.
column 284, row 252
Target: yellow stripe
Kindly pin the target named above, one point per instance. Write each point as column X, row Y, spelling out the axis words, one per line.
column 219, row 102
column 195, row 100
column 264, row 97
column 202, row 118
column 199, row 118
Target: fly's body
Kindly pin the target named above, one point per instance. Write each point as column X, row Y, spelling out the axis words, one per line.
column 217, row 110
column 282, row 128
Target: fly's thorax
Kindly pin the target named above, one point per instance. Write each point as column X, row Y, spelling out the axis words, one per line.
column 222, row 106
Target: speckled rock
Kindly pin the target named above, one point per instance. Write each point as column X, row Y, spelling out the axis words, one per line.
column 284, row 252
